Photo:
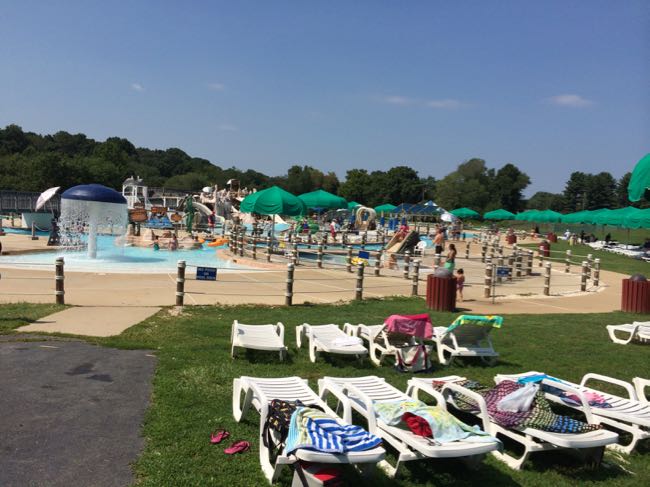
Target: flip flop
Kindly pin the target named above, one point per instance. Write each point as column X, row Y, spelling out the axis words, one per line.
column 239, row 446
column 218, row 436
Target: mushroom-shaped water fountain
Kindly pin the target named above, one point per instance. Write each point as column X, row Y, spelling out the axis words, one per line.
column 91, row 208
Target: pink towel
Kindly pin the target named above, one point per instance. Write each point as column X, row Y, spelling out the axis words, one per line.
column 415, row 325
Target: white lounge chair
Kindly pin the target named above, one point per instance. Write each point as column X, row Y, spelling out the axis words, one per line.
column 358, row 394
column 381, row 344
column 467, row 340
column 639, row 330
column 640, row 386
column 628, row 414
column 258, row 337
column 259, row 392
column 324, row 338
column 533, row 440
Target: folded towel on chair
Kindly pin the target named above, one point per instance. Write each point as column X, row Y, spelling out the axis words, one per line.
column 347, row 341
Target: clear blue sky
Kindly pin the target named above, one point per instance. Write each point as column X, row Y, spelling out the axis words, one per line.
column 552, row 86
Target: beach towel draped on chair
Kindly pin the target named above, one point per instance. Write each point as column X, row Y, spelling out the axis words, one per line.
column 418, row 326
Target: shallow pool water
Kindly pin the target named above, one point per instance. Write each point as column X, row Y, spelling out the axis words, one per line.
column 116, row 259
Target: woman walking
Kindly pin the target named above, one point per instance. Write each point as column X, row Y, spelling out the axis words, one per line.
column 450, row 263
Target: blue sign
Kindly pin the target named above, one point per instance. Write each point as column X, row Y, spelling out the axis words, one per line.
column 364, row 254
column 503, row 271
column 206, row 273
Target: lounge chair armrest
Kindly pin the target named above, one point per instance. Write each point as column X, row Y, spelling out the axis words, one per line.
column 279, row 328
column 414, row 389
column 302, row 331
column 483, row 411
column 586, row 408
column 325, row 387
column 371, row 416
column 603, row 378
column 640, row 385
column 350, row 329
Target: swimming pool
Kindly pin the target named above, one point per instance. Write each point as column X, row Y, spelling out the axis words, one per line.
column 115, row 259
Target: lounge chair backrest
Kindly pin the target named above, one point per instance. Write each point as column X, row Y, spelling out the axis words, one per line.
column 286, row 389
column 471, row 334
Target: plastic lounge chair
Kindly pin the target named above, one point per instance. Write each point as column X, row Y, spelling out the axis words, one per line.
column 639, row 330
column 533, row 440
column 258, row 337
column 467, row 337
column 322, row 338
column 640, row 385
column 629, row 414
column 381, row 344
column 259, row 392
column 358, row 394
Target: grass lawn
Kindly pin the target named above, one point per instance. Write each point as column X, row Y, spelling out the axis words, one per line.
column 608, row 260
column 21, row 314
column 193, row 389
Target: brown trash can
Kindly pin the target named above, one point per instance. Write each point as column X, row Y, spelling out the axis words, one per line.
column 511, row 239
column 636, row 296
column 545, row 249
column 551, row 237
column 441, row 293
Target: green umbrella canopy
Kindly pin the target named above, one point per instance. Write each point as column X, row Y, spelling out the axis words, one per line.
column 352, row 205
column 576, row 217
column 526, row 215
column 464, row 213
column 273, row 201
column 500, row 214
column 640, row 219
column 615, row 217
column 640, row 180
column 386, row 208
column 546, row 216
column 323, row 199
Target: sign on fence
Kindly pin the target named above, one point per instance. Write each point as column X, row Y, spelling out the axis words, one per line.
column 503, row 271
column 364, row 254
column 206, row 273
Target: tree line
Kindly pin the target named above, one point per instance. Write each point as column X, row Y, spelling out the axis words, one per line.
column 33, row 162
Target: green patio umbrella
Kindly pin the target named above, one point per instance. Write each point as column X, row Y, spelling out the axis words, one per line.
column 546, row 216
column 575, row 217
column 352, row 205
column 591, row 215
column 640, row 219
column 464, row 213
column 526, row 215
column 323, row 199
column 615, row 217
column 500, row 214
column 273, row 201
column 640, row 180
column 385, row 208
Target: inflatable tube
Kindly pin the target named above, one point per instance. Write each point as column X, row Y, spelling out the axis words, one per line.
column 218, row 242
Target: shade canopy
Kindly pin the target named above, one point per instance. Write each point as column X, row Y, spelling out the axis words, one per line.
column 323, row 199
column 640, row 180
column 615, row 217
column 385, row 208
column 45, row 197
column 500, row 214
column 640, row 219
column 93, row 192
column 546, row 216
column 464, row 213
column 353, row 204
column 273, row 201
column 575, row 217
column 526, row 215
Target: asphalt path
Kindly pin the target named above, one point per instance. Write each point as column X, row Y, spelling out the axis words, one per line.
column 71, row 413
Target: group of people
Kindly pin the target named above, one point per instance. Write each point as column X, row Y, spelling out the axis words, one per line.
column 171, row 245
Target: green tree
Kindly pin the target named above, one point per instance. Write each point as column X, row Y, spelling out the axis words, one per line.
column 469, row 186
column 508, row 187
column 601, row 191
column 545, row 201
column 356, row 186
column 575, row 192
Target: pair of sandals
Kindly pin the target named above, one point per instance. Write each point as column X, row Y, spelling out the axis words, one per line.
column 239, row 446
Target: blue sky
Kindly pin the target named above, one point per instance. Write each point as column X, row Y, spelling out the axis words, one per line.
column 553, row 86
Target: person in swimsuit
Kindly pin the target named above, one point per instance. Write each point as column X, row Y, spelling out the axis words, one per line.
column 450, row 263
column 460, row 283
column 438, row 242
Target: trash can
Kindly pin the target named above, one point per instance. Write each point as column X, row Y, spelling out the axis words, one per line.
column 545, row 248
column 636, row 295
column 441, row 291
column 511, row 239
column 551, row 237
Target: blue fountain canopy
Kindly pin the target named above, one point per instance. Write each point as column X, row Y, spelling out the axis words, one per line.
column 93, row 192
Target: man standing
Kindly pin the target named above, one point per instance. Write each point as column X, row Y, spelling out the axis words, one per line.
column 438, row 242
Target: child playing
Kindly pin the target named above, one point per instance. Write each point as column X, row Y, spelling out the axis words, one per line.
column 460, row 283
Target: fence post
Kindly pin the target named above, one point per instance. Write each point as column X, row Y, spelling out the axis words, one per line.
column 567, row 268
column 268, row 248
column 416, row 278
column 511, row 265
column 378, row 263
column 294, row 254
column 540, row 254
column 483, row 252
column 254, row 246
column 34, row 236
column 467, row 251
column 590, row 262
column 348, row 259
column 488, row 279
column 180, row 282
column 288, row 295
column 59, row 293
column 518, row 262
column 407, row 264
column 500, row 264
column 596, row 272
column 319, row 256
column 242, row 241
column 529, row 264
column 547, row 280
column 583, row 276
column 359, row 289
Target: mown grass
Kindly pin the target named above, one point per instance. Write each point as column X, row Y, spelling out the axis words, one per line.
column 13, row 316
column 608, row 260
column 193, row 390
